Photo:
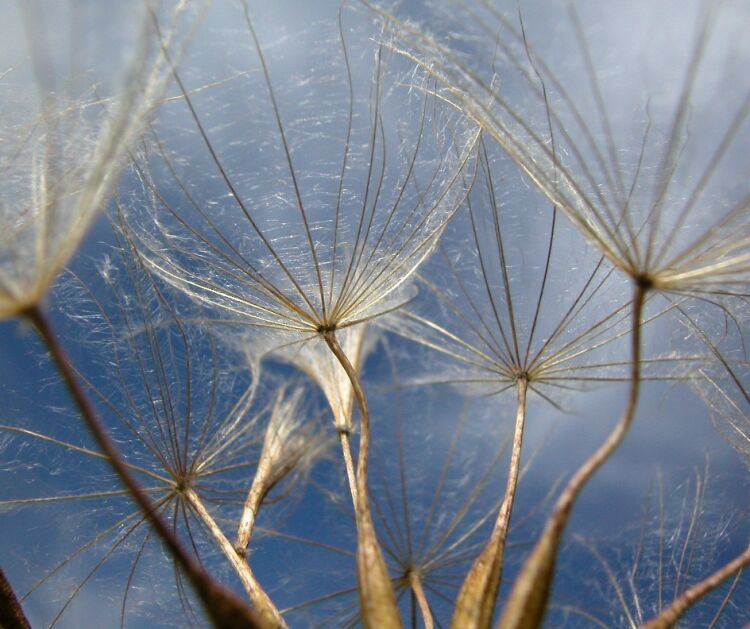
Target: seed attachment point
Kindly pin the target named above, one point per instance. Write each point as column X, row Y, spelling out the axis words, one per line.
column 644, row 281
column 326, row 328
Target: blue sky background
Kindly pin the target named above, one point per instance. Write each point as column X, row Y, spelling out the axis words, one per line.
column 413, row 426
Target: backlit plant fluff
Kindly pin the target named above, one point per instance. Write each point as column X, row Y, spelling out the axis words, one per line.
column 646, row 180
column 341, row 229
column 283, row 237
column 61, row 155
column 317, row 200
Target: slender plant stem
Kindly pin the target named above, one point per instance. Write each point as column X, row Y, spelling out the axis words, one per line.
column 346, row 451
column 11, row 613
column 264, row 607
column 376, row 596
column 359, row 394
column 416, row 586
column 528, row 599
column 669, row 616
column 222, row 606
column 476, row 600
column 247, row 521
column 258, row 488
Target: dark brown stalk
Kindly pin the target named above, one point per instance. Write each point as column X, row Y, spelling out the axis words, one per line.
column 377, row 599
column 476, row 600
column 670, row 615
column 11, row 613
column 528, row 599
column 222, row 606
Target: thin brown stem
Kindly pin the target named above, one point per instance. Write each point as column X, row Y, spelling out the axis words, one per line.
column 528, row 599
column 264, row 607
column 346, row 451
column 11, row 612
column 672, row 613
column 376, row 596
column 415, row 582
column 222, row 606
column 476, row 600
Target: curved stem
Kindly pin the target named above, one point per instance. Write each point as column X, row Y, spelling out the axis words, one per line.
column 11, row 612
column 376, row 596
column 476, row 600
column 671, row 614
column 221, row 605
column 263, row 604
column 528, row 598
column 416, row 586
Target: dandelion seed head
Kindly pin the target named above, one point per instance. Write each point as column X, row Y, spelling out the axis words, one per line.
column 317, row 207
column 641, row 157
column 62, row 154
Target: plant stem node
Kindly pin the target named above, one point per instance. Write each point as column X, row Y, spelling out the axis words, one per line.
column 644, row 281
